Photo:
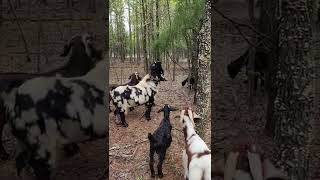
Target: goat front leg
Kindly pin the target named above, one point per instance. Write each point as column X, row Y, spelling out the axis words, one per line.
column 41, row 168
column 148, row 110
column 3, row 154
column 123, row 119
column 162, row 156
column 151, row 162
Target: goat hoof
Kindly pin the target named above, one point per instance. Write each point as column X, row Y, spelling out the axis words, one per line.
column 153, row 176
column 125, row 125
column 160, row 175
column 148, row 118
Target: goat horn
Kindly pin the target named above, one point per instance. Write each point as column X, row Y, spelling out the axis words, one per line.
column 231, row 164
column 182, row 114
column 196, row 116
column 191, row 116
column 255, row 165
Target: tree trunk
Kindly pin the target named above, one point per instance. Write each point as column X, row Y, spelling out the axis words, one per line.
column 157, row 55
column 203, row 92
column 268, row 26
column 130, row 33
column 144, row 38
column 293, row 102
column 315, row 138
column 138, row 50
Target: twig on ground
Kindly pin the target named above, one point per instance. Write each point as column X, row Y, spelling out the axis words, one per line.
column 129, row 145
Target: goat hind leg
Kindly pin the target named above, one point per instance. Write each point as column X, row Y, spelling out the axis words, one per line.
column 162, row 156
column 151, row 162
column 41, row 168
column 123, row 119
column 3, row 154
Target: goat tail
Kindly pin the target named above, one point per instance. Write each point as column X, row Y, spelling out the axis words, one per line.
column 150, row 137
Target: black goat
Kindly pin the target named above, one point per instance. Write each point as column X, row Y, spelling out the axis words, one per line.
column 190, row 84
column 83, row 51
column 161, row 140
column 260, row 66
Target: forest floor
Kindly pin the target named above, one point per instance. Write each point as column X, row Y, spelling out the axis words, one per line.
column 129, row 147
column 233, row 118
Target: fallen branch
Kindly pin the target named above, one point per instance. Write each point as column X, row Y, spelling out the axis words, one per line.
column 126, row 146
column 20, row 29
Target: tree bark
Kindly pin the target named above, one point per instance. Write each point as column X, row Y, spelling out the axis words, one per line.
column 138, row 50
column 144, row 38
column 130, row 33
column 293, row 102
column 203, row 92
column 157, row 54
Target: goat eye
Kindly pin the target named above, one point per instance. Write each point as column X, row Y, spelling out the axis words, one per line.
column 183, row 121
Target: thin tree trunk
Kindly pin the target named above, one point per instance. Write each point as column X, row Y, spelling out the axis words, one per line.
column 268, row 26
column 138, row 50
column 203, row 87
column 293, row 102
column 130, row 33
column 157, row 53
column 144, row 43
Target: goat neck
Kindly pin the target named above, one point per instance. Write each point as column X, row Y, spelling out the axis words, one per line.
column 144, row 83
column 188, row 129
column 97, row 75
column 166, row 114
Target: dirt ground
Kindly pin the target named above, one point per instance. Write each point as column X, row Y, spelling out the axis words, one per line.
column 129, row 147
column 232, row 116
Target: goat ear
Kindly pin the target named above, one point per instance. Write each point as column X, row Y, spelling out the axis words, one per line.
column 196, row 117
column 174, row 109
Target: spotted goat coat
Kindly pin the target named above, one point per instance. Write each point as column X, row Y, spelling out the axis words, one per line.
column 48, row 112
column 125, row 98
column 196, row 155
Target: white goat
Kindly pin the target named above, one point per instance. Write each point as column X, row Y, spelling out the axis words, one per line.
column 196, row 155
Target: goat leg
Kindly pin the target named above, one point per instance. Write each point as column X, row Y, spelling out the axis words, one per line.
column 152, row 162
column 148, row 110
column 41, row 168
column 3, row 154
column 162, row 155
column 123, row 119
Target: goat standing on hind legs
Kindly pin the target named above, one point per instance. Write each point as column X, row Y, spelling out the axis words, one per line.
column 161, row 140
column 196, row 156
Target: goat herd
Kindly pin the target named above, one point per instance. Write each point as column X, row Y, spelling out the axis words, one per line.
column 58, row 109
column 196, row 155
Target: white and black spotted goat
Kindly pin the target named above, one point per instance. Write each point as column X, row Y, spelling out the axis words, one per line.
column 126, row 97
column 48, row 112
column 161, row 140
column 134, row 79
column 82, row 59
column 196, row 155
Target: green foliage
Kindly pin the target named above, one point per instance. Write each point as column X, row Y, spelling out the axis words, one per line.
column 186, row 17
